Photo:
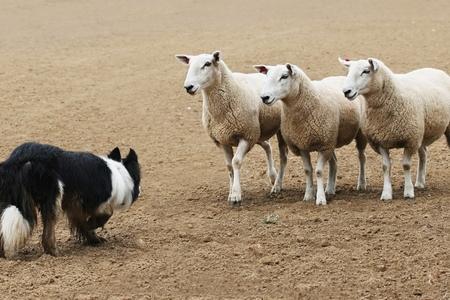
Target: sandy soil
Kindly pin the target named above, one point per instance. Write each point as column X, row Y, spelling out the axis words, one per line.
column 90, row 75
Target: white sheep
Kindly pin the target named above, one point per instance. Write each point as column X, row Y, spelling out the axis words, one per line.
column 408, row 111
column 234, row 115
column 315, row 117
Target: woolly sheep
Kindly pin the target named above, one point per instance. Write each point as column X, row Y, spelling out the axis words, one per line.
column 408, row 111
column 234, row 116
column 315, row 117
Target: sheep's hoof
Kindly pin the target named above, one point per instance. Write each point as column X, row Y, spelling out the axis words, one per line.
column 309, row 196
column 330, row 192
column 321, row 201
column 234, row 200
column 273, row 178
column 276, row 189
column 361, row 187
column 420, row 185
column 386, row 196
column 408, row 195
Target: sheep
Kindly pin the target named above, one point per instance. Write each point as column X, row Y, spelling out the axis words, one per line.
column 409, row 111
column 315, row 117
column 234, row 116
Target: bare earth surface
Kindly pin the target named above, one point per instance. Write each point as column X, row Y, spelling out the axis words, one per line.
column 90, row 75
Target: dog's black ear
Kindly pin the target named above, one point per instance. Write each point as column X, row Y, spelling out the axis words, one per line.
column 132, row 156
column 115, row 155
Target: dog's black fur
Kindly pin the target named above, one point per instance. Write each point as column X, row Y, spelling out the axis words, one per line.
column 30, row 180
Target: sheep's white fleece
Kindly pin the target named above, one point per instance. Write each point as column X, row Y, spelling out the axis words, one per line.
column 233, row 110
column 319, row 117
column 407, row 110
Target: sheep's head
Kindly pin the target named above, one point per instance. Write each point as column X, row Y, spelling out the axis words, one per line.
column 360, row 78
column 282, row 81
column 202, row 72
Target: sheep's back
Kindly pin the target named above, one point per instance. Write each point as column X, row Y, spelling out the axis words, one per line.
column 428, row 90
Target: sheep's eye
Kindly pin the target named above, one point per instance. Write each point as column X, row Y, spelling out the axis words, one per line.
column 207, row 64
column 366, row 71
column 284, row 76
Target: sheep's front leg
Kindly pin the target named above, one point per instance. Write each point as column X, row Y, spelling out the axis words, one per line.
column 283, row 162
column 228, row 150
column 409, row 188
column 270, row 164
column 323, row 158
column 387, row 185
column 422, row 168
column 332, row 174
column 235, row 196
column 307, row 166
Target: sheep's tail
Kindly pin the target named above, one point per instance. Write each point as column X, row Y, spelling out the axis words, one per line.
column 14, row 231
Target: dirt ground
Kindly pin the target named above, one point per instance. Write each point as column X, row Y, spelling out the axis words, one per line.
column 90, row 75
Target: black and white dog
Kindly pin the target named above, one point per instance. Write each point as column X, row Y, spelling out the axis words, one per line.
column 87, row 187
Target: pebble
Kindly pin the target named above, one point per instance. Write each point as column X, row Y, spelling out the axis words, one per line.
column 381, row 268
column 325, row 244
column 270, row 260
column 207, row 239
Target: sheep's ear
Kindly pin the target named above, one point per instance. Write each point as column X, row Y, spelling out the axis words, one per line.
column 183, row 58
column 115, row 154
column 261, row 69
column 373, row 64
column 290, row 69
column 216, row 56
column 345, row 62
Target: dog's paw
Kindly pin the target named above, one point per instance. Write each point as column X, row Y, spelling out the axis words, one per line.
column 51, row 251
column 95, row 241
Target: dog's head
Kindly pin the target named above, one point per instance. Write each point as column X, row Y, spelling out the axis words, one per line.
column 131, row 164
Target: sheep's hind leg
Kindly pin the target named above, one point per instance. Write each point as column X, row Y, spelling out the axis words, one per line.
column 387, row 185
column 307, row 166
column 270, row 164
column 332, row 174
column 422, row 168
column 324, row 157
column 235, row 197
column 283, row 162
column 361, row 143
column 409, row 187
column 228, row 150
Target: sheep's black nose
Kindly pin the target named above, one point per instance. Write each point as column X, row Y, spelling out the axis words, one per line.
column 347, row 93
column 189, row 88
column 265, row 98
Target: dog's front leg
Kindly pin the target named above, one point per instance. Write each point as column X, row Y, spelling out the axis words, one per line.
column 97, row 221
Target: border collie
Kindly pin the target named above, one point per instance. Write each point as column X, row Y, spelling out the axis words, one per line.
column 44, row 178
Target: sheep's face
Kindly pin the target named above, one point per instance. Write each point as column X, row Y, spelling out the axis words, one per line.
column 202, row 72
column 360, row 77
column 281, row 82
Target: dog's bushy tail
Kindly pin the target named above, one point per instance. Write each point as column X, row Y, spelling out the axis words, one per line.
column 25, row 188
column 14, row 230
column 18, row 213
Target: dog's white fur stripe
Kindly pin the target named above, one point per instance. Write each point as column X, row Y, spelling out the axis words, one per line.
column 14, row 230
column 60, row 196
column 122, row 187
